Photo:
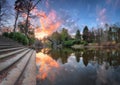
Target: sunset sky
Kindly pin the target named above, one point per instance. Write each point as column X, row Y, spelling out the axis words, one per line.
column 75, row 14
column 85, row 12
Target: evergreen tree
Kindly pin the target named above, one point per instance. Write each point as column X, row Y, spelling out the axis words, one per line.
column 78, row 36
column 65, row 35
column 86, row 34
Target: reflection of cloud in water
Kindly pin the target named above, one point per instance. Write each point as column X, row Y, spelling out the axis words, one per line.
column 46, row 64
column 107, row 75
column 53, row 72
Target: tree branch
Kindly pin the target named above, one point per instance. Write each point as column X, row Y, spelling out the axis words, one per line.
column 35, row 4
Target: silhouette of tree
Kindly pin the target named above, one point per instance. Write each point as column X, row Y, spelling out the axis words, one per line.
column 86, row 34
column 26, row 6
column 64, row 35
column 19, row 7
column 5, row 13
column 77, row 35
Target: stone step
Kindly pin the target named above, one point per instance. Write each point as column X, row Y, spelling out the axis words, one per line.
column 9, row 62
column 29, row 75
column 11, row 53
column 10, row 49
column 7, row 41
column 16, row 72
column 10, row 46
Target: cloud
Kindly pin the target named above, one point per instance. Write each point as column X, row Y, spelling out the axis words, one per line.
column 69, row 21
column 101, row 16
column 47, row 4
column 108, row 1
column 117, row 4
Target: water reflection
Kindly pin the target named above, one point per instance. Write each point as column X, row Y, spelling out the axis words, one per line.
column 82, row 67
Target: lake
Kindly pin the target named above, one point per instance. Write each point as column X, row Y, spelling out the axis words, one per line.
column 78, row 67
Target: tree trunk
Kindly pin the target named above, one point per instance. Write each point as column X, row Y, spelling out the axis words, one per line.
column 16, row 18
column 26, row 24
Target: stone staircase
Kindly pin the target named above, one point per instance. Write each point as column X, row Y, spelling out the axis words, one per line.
column 17, row 63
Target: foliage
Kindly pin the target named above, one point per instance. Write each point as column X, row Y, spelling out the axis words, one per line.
column 86, row 34
column 77, row 41
column 68, row 43
column 20, row 37
column 56, row 37
column 5, row 34
column 65, row 35
column 24, row 6
column 77, row 35
column 84, row 43
column 31, row 41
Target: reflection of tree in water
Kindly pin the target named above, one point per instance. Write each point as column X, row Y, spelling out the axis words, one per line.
column 110, row 56
column 63, row 54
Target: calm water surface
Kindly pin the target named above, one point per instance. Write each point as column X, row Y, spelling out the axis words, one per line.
column 79, row 67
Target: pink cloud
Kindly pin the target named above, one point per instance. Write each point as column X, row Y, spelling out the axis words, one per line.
column 47, row 3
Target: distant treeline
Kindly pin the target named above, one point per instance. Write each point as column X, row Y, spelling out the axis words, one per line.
column 106, row 34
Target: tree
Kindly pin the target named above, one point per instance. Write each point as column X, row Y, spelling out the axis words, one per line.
column 118, row 35
column 56, row 37
column 64, row 35
column 19, row 7
column 77, row 35
column 29, row 6
column 110, row 34
column 21, row 26
column 5, row 13
column 25, row 6
column 86, row 34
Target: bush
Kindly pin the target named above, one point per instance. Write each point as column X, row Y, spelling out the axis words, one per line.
column 69, row 43
column 31, row 41
column 11, row 35
column 77, row 41
column 25, row 40
column 5, row 34
column 84, row 43
column 19, row 37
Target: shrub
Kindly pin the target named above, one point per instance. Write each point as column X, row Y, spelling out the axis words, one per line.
column 19, row 37
column 5, row 34
column 11, row 35
column 77, row 41
column 69, row 43
column 31, row 41
column 84, row 43
column 25, row 40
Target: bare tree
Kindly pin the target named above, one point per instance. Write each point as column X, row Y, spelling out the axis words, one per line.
column 19, row 7
column 4, row 12
column 24, row 6
column 29, row 6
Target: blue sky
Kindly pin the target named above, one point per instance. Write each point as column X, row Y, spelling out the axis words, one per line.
column 75, row 14
column 78, row 13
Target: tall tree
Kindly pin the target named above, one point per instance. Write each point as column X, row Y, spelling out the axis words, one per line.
column 5, row 13
column 78, row 35
column 65, row 35
column 29, row 6
column 56, row 38
column 18, row 6
column 110, row 34
column 25, row 6
column 86, row 34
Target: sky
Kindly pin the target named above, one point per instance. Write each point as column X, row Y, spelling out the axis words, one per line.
column 75, row 14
